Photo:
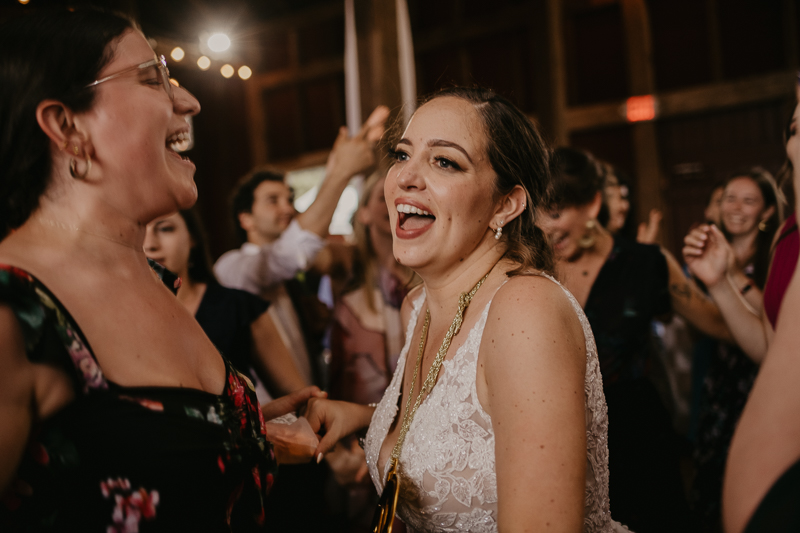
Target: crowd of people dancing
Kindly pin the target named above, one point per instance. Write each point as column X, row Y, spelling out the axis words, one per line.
column 490, row 360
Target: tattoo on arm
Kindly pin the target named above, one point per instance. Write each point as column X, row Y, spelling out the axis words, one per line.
column 681, row 290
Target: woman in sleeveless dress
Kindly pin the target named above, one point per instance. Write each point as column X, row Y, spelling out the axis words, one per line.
column 511, row 433
column 116, row 411
column 762, row 475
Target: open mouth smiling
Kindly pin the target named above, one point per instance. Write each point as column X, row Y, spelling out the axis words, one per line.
column 179, row 142
column 412, row 218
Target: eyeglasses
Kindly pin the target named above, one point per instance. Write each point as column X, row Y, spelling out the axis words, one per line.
column 161, row 67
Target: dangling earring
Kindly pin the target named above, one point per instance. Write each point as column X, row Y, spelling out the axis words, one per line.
column 588, row 239
column 499, row 231
column 762, row 226
column 73, row 167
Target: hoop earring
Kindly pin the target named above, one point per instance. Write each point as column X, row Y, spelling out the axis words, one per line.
column 499, row 231
column 73, row 168
column 588, row 240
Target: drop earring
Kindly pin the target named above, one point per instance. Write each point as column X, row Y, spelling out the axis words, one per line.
column 588, row 239
column 499, row 231
column 73, row 168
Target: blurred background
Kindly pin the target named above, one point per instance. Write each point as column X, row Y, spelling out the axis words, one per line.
column 675, row 93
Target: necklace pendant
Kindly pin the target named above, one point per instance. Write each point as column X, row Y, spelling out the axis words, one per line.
column 383, row 520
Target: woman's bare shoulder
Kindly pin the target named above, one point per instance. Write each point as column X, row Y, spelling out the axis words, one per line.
column 534, row 310
column 532, row 293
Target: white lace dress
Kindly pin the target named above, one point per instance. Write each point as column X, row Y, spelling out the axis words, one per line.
column 448, row 479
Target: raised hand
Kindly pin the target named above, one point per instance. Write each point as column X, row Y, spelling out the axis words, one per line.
column 648, row 231
column 708, row 254
column 356, row 155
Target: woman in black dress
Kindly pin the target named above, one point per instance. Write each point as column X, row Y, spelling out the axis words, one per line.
column 622, row 286
column 235, row 321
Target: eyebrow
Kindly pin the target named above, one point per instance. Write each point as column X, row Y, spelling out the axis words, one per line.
column 441, row 142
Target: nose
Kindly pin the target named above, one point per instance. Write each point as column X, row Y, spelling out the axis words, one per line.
column 150, row 241
column 184, row 102
column 409, row 175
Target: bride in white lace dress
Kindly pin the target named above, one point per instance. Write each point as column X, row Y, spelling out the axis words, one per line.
column 512, row 436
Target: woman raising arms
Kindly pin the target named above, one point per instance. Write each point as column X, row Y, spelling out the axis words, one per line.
column 510, row 434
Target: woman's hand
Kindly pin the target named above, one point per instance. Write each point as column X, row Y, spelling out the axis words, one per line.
column 334, row 420
column 293, row 402
column 708, row 254
column 648, row 231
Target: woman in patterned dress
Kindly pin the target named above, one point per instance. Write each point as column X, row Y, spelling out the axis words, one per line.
column 116, row 411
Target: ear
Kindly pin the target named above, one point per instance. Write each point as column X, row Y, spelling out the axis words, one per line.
column 511, row 206
column 593, row 208
column 58, row 123
column 246, row 221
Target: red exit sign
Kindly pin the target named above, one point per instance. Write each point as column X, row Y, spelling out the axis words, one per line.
column 640, row 108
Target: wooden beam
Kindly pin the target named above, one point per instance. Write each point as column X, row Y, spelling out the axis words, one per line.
column 647, row 164
column 506, row 19
column 636, row 22
column 714, row 42
column 292, row 76
column 728, row 94
column 790, row 32
column 551, row 86
column 312, row 15
column 256, row 124
column 309, row 159
column 379, row 66
column 687, row 101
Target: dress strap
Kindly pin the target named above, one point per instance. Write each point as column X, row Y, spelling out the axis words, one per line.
column 40, row 314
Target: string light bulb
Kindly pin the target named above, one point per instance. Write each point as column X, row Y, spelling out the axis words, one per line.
column 203, row 62
column 245, row 72
column 219, row 42
column 177, row 53
column 226, row 71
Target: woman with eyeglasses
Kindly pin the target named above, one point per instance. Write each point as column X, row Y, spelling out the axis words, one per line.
column 116, row 411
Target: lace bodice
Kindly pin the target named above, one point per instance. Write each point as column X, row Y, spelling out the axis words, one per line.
column 447, row 464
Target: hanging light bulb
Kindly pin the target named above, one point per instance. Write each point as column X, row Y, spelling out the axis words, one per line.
column 219, row 42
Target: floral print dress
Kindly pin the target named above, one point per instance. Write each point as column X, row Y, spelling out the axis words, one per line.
column 129, row 459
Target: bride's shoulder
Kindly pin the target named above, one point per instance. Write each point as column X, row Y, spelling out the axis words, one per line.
column 535, row 288
column 534, row 298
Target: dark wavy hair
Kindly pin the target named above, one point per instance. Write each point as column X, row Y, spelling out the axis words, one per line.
column 519, row 156
column 577, row 177
column 47, row 55
column 244, row 195
column 200, row 270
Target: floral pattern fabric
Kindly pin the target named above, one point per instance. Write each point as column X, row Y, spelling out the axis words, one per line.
column 448, row 481
column 130, row 459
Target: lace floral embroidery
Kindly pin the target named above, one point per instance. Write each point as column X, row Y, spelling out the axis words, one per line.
column 447, row 465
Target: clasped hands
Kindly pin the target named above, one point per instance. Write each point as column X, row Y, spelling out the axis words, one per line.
column 318, row 431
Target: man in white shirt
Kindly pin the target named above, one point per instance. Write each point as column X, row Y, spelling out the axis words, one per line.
column 279, row 243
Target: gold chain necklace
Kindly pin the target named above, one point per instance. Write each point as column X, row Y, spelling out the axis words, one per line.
column 387, row 505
